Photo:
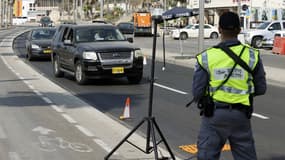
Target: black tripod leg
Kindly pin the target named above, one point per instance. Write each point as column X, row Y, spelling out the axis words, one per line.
column 163, row 139
column 123, row 140
column 153, row 140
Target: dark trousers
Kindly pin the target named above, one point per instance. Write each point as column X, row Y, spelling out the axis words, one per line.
column 226, row 124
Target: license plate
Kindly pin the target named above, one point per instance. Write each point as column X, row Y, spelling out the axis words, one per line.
column 117, row 70
column 47, row 51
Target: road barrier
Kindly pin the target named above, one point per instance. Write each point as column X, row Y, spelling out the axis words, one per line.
column 279, row 45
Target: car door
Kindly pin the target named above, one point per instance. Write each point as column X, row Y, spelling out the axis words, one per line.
column 70, row 49
column 272, row 29
column 207, row 31
column 62, row 48
column 194, row 31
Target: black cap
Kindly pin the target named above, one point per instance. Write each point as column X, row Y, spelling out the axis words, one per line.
column 229, row 21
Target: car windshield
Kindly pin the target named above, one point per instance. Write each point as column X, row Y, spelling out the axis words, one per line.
column 42, row 34
column 263, row 25
column 98, row 34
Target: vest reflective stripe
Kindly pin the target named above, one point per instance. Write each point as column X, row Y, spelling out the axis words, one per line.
column 229, row 90
column 240, row 85
column 205, row 60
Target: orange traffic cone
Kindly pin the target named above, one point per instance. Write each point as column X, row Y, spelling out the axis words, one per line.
column 126, row 113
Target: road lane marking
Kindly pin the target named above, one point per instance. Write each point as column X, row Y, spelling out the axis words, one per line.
column 193, row 149
column 2, row 133
column 171, row 89
column 259, row 116
column 85, row 131
column 68, row 118
column 47, row 100
column 31, row 86
column 14, row 156
column 55, row 107
column 105, row 146
column 37, row 92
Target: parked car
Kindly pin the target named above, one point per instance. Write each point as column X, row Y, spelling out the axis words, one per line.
column 192, row 30
column 263, row 34
column 38, row 43
column 126, row 27
column 46, row 22
column 97, row 50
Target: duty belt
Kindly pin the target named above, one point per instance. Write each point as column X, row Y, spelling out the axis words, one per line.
column 237, row 106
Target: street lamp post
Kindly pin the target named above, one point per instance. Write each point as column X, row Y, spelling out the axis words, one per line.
column 201, row 26
column 2, row 13
column 101, row 8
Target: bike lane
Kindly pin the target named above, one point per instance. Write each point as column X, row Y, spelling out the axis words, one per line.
column 30, row 127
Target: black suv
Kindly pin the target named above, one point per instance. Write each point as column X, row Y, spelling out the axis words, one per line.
column 95, row 51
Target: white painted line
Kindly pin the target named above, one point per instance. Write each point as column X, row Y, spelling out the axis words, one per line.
column 259, row 116
column 38, row 93
column 168, row 88
column 56, row 108
column 27, row 82
column 104, row 145
column 14, row 156
column 68, row 118
column 31, row 86
column 85, row 131
column 21, row 78
column 47, row 100
column 2, row 133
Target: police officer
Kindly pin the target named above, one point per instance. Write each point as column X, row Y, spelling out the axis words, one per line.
column 233, row 100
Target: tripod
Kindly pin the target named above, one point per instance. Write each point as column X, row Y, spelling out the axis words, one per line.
column 150, row 120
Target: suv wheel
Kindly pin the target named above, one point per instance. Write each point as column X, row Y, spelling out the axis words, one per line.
column 135, row 79
column 79, row 74
column 56, row 68
column 183, row 36
column 257, row 42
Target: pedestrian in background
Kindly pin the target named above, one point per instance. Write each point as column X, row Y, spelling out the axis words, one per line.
column 229, row 88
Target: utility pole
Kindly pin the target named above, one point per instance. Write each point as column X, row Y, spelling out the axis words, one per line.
column 201, row 26
column 239, row 8
column 11, row 4
column 6, row 6
column 101, row 8
column 2, row 13
column 75, row 3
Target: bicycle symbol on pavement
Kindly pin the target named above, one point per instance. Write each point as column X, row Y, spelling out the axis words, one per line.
column 49, row 144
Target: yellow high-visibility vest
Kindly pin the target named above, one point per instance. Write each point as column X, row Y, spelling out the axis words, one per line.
column 218, row 65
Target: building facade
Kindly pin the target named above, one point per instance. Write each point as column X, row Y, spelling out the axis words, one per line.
column 255, row 10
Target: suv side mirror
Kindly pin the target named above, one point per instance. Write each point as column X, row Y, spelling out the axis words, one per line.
column 270, row 28
column 67, row 42
column 130, row 39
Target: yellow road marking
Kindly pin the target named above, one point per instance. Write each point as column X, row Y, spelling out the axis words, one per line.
column 192, row 148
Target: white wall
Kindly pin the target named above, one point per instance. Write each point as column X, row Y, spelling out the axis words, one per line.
column 26, row 7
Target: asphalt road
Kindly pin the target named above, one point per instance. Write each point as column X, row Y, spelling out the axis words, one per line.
column 29, row 128
column 172, row 91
